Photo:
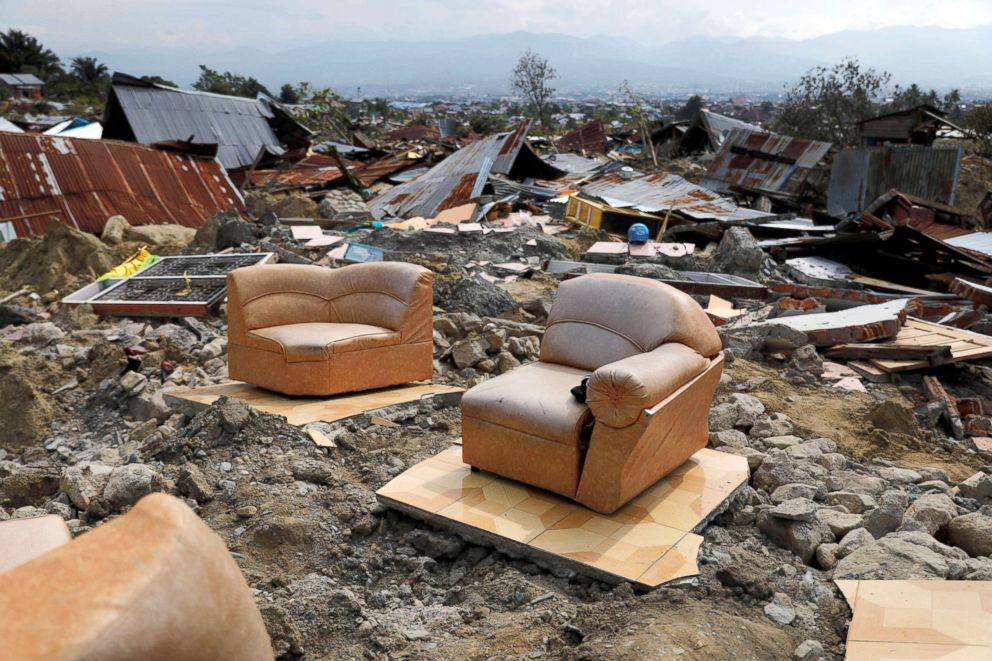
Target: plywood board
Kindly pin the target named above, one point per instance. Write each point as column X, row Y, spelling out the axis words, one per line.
column 650, row 541
column 301, row 411
column 965, row 345
column 919, row 619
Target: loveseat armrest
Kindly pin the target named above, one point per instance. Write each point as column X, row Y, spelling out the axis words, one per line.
column 618, row 393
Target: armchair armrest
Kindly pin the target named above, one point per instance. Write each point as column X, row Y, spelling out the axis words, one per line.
column 619, row 392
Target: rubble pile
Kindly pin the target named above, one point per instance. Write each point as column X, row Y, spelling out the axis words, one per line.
column 869, row 450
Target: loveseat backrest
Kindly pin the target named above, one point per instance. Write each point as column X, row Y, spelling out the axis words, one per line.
column 392, row 295
column 600, row 318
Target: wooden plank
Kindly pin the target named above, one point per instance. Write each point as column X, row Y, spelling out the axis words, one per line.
column 301, row 411
column 320, row 439
column 965, row 345
column 933, row 354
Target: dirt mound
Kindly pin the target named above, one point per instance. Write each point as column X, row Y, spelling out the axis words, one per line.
column 25, row 408
column 63, row 259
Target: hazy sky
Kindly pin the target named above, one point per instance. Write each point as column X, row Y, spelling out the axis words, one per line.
column 77, row 26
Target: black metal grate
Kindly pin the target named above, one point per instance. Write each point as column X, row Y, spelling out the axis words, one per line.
column 166, row 290
column 209, row 265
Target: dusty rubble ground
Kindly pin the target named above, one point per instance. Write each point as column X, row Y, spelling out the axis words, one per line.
column 843, row 484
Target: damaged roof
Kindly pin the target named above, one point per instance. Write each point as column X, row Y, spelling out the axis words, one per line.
column 84, row 182
column 860, row 176
column 463, row 176
column 589, row 138
column 658, row 192
column 764, row 162
column 149, row 113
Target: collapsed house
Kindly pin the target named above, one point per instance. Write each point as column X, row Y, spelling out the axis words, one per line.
column 706, row 133
column 240, row 131
column 922, row 125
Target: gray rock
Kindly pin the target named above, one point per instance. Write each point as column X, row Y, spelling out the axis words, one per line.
column 194, row 484
column 800, row 537
column 832, row 461
column 748, row 407
column 790, row 491
column 149, row 405
column 972, row 533
column 84, row 482
column 855, row 503
column 114, row 230
column 133, row 382
column 780, row 609
column 902, row 556
column 782, row 442
column 776, row 424
column 754, row 457
column 233, row 413
column 128, row 484
column 722, row 417
column 779, row 468
column 856, row 483
column 42, row 334
column 732, row 437
column 808, row 650
column 978, row 487
column 840, row 523
column 795, row 509
column 931, row 512
column 806, row 451
column 884, row 519
column 900, row 475
column 27, row 484
column 931, row 474
column 312, row 470
column 854, row 540
column 826, row 555
column 468, row 352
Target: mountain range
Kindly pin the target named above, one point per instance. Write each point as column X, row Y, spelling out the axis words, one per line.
column 932, row 57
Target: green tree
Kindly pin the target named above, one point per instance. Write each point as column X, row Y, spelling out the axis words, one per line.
column 486, row 124
column 322, row 111
column 22, row 53
column 978, row 120
column 692, row 107
column 228, row 83
column 827, row 103
column 287, row 94
column 531, row 78
column 88, row 69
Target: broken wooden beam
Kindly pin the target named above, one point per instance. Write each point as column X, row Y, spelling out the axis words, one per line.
column 976, row 293
column 934, row 355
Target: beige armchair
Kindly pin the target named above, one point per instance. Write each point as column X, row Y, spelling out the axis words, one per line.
column 309, row 330
column 654, row 361
column 154, row 584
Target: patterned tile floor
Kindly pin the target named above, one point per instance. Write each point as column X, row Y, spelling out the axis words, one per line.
column 649, row 541
column 895, row 620
column 301, row 411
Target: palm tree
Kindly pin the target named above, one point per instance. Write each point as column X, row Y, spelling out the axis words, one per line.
column 22, row 53
column 88, row 69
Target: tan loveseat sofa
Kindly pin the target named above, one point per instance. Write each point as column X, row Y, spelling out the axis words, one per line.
column 154, row 584
column 308, row 330
column 655, row 361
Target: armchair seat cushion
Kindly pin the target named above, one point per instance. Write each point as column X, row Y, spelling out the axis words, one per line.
column 533, row 399
column 316, row 341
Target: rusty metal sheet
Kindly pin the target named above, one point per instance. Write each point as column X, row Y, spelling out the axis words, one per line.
column 589, row 138
column 764, row 163
column 84, row 182
column 860, row 176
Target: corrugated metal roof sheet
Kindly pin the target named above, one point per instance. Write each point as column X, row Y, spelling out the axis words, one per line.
column 460, row 177
column 589, row 138
column 20, row 79
column 859, row 176
column 763, row 162
column 84, row 182
column 239, row 126
column 720, row 126
column 659, row 191
column 9, row 126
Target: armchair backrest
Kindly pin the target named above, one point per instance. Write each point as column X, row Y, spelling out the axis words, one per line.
column 600, row 318
column 393, row 295
column 156, row 583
